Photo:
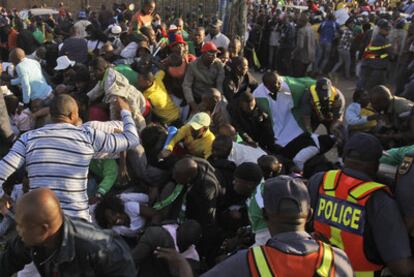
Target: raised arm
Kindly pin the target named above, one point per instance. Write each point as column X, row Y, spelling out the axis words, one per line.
column 115, row 143
column 24, row 82
column 12, row 161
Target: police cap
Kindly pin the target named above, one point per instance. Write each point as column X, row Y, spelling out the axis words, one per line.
column 384, row 24
column 282, row 189
column 363, row 147
column 323, row 84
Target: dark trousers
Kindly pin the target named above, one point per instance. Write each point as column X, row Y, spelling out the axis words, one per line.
column 371, row 77
column 299, row 68
column 283, row 61
column 297, row 144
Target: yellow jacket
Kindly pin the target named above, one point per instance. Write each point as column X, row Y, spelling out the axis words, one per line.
column 200, row 147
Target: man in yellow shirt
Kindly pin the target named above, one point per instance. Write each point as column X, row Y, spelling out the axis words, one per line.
column 196, row 136
column 162, row 105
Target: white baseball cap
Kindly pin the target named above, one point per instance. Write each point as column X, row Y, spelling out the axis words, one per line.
column 116, row 30
column 63, row 62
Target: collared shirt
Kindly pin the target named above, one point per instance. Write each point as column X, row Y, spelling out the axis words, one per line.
column 200, row 147
column 57, row 156
column 285, row 126
column 241, row 153
column 32, row 81
column 161, row 102
column 200, row 78
column 220, row 40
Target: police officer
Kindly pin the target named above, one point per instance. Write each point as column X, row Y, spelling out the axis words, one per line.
column 375, row 60
column 322, row 104
column 291, row 251
column 395, row 126
column 359, row 215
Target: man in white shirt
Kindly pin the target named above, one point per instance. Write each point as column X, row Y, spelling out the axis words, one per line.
column 275, row 96
column 215, row 35
column 225, row 148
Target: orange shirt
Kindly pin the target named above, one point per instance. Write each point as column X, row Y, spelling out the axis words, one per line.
column 12, row 38
column 139, row 20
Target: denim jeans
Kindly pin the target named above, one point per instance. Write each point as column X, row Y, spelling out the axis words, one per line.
column 344, row 56
column 323, row 55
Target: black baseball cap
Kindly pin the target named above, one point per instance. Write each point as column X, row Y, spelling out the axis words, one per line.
column 285, row 188
column 250, row 172
column 363, row 147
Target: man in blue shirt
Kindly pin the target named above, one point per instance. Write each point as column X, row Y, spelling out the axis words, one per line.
column 29, row 77
column 327, row 31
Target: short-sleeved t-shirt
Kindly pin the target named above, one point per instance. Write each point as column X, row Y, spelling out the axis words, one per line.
column 384, row 228
column 161, row 102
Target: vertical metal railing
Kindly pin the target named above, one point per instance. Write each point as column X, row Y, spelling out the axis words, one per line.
column 187, row 9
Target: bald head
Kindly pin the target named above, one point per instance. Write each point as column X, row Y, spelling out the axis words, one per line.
column 64, row 109
column 38, row 216
column 185, row 170
column 16, row 55
column 39, row 206
column 227, row 130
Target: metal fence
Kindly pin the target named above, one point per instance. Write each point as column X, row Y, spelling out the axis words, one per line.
column 189, row 10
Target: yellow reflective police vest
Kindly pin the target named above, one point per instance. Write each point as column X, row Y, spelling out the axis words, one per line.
column 266, row 261
column 376, row 52
column 317, row 103
column 340, row 217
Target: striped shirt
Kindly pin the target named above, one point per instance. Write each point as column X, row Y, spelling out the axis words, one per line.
column 57, row 156
column 107, row 127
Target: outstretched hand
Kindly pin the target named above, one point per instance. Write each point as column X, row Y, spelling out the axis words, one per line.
column 5, row 204
column 121, row 104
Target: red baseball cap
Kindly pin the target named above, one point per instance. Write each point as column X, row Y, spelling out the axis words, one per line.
column 178, row 40
column 209, row 47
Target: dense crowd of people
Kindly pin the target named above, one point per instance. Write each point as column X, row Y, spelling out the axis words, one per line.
column 137, row 145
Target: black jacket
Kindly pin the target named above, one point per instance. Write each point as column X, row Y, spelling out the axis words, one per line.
column 255, row 125
column 235, row 85
column 85, row 251
column 203, row 194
